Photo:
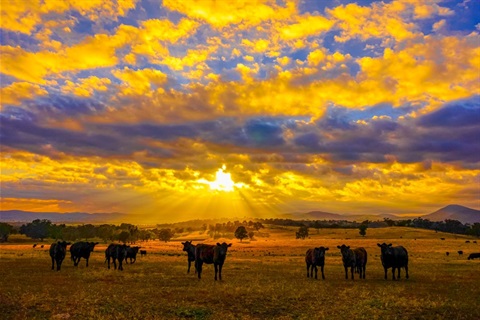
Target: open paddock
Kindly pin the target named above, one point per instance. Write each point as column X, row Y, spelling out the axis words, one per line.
column 262, row 279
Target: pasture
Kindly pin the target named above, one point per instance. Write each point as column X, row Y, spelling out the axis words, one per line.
column 262, row 279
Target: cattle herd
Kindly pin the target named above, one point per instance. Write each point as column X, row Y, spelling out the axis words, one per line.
column 354, row 260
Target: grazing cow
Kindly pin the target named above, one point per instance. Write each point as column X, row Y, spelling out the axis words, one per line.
column 468, row 241
column 132, row 254
column 447, row 253
column 473, row 256
column 116, row 252
column 395, row 258
column 80, row 250
column 460, row 252
column 209, row 254
column 442, row 238
column 190, row 249
column 41, row 246
column 313, row 258
column 58, row 250
column 474, row 241
column 355, row 259
column 143, row 252
column 34, row 245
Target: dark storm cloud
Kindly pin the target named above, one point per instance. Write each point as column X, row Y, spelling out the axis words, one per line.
column 458, row 114
column 61, row 105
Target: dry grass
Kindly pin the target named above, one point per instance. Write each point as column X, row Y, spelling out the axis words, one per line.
column 263, row 279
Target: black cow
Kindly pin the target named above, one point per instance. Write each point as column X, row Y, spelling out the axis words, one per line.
column 209, row 254
column 190, row 249
column 132, row 254
column 395, row 258
column 447, row 253
column 143, row 252
column 473, row 256
column 58, row 250
column 468, row 241
column 355, row 259
column 315, row 258
column 460, row 252
column 80, row 250
column 34, row 245
column 116, row 252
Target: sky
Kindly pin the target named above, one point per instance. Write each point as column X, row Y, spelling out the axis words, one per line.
column 177, row 110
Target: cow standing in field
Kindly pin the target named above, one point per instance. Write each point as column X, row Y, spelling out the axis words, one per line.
column 460, row 252
column 58, row 250
column 80, row 250
column 355, row 259
column 315, row 258
column 209, row 254
column 395, row 258
column 143, row 252
column 473, row 256
column 190, row 249
column 116, row 252
column 132, row 254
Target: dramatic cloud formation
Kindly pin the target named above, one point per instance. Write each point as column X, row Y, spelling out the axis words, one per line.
column 135, row 106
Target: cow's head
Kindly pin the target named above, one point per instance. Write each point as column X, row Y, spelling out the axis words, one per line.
column 223, row 248
column 386, row 249
column 319, row 253
column 345, row 250
column 63, row 243
column 186, row 245
column 91, row 245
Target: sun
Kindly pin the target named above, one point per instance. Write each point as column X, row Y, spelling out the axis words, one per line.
column 223, row 181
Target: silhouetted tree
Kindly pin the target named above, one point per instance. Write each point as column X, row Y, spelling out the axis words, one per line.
column 258, row 225
column 241, row 233
column 123, row 236
column 363, row 229
column 251, row 234
column 165, row 234
column 5, row 231
column 302, row 232
column 37, row 229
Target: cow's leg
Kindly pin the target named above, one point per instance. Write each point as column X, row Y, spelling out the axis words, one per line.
column 216, row 270
column 352, row 271
column 308, row 270
column 363, row 270
column 393, row 273
column 220, row 266
column 398, row 277
column 346, row 272
column 385, row 269
column 59, row 264
column 406, row 271
column 316, row 270
column 199, row 269
column 108, row 259
column 189, row 263
column 120, row 266
column 114, row 263
column 323, row 275
column 87, row 261
column 53, row 263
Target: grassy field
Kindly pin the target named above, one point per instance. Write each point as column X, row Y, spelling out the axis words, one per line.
column 262, row 279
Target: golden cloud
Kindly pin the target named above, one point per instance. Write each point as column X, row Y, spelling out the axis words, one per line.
column 15, row 93
column 86, row 87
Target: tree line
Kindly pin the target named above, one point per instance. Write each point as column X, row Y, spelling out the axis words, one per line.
column 41, row 229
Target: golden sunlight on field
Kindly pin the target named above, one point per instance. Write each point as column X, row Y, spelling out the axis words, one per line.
column 264, row 278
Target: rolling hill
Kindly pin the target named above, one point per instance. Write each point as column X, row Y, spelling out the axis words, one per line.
column 455, row 212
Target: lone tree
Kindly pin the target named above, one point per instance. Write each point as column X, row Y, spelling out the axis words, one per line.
column 363, row 229
column 302, row 232
column 37, row 229
column 5, row 231
column 241, row 233
column 165, row 234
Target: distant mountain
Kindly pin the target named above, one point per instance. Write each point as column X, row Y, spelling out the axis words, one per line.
column 321, row 215
column 56, row 217
column 455, row 212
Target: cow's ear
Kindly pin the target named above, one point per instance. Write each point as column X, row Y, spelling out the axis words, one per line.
column 218, row 244
column 183, row 243
column 229, row 245
column 339, row 247
column 348, row 247
column 389, row 244
column 378, row 244
column 327, row 248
